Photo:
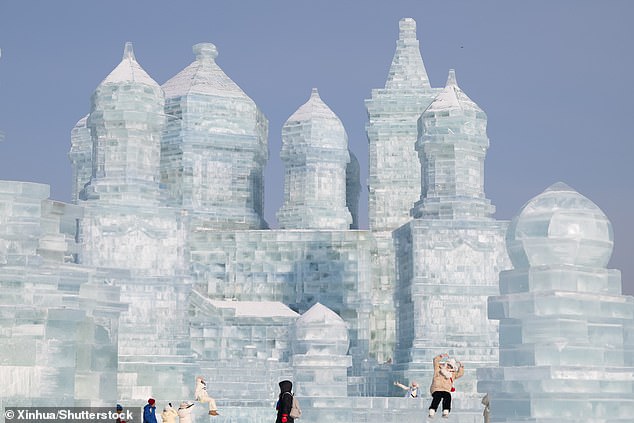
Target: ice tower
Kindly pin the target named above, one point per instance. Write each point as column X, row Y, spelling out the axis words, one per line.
column 566, row 332
column 214, row 148
column 448, row 258
column 315, row 155
column 127, row 232
column 394, row 171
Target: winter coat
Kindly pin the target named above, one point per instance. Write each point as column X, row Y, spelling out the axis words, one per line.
column 413, row 392
column 440, row 382
column 149, row 414
column 169, row 415
column 201, row 389
column 285, row 402
column 185, row 414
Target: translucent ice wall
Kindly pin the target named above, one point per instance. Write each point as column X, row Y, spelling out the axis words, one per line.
column 126, row 122
column 452, row 146
column 214, row 149
column 59, row 321
column 565, row 329
column 315, row 155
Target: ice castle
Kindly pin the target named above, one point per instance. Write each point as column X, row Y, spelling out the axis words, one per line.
column 164, row 268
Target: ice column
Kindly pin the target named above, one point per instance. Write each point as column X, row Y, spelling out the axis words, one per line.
column 126, row 121
column 394, row 170
column 80, row 156
column 451, row 147
column 315, row 154
column 214, row 149
column 320, row 359
column 565, row 329
column 353, row 189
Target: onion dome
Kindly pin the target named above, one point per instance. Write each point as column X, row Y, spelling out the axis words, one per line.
column 560, row 227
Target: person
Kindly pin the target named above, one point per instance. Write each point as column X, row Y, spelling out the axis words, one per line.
column 184, row 412
column 202, row 395
column 487, row 410
column 149, row 411
column 413, row 391
column 446, row 371
column 119, row 414
column 285, row 403
column 169, row 414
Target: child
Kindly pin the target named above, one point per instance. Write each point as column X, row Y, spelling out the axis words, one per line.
column 413, row 391
column 445, row 373
column 285, row 403
column 202, row 395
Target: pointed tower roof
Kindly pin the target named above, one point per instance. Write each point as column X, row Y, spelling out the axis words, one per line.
column 203, row 76
column 452, row 97
column 407, row 70
column 313, row 109
column 129, row 70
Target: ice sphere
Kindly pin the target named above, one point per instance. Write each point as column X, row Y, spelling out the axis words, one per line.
column 560, row 226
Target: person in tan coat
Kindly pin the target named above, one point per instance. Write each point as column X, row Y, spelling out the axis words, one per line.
column 446, row 371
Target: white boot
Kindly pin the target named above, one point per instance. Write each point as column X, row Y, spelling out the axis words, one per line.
column 431, row 413
column 445, row 413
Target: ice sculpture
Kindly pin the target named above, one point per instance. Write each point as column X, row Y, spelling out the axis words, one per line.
column 394, row 171
column 448, row 258
column 125, row 229
column 315, row 154
column 215, row 147
column 566, row 345
column 353, row 189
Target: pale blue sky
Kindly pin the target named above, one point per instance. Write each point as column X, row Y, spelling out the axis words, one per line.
column 554, row 77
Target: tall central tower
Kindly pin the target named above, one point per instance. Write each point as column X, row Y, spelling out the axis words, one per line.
column 394, row 170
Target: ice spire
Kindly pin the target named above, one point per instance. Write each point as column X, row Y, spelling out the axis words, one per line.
column 215, row 146
column 315, row 153
column 451, row 147
column 407, row 70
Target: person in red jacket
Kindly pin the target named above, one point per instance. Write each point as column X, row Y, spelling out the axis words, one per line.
column 446, row 371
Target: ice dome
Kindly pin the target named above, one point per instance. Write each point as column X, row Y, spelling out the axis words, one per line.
column 321, row 125
column 320, row 331
column 560, row 226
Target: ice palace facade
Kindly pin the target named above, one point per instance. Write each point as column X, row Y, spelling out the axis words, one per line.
column 164, row 268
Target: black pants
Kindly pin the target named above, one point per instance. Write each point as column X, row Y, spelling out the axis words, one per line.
column 440, row 395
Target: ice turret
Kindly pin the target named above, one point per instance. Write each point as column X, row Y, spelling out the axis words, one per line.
column 320, row 348
column 315, row 153
column 565, row 329
column 126, row 121
column 215, row 146
column 452, row 146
